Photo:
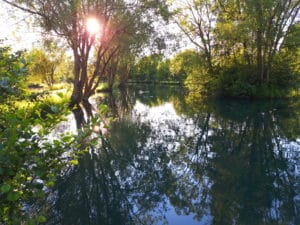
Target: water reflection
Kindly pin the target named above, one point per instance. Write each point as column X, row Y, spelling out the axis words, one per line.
column 171, row 160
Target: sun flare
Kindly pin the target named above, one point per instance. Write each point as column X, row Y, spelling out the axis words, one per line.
column 93, row 25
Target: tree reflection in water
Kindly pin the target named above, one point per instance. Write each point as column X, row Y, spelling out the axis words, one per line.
column 229, row 162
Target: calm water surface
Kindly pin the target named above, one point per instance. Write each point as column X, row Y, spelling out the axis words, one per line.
column 171, row 159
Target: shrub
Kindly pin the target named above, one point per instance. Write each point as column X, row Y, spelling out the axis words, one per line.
column 13, row 72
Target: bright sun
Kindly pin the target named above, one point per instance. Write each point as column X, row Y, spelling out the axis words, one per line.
column 93, row 25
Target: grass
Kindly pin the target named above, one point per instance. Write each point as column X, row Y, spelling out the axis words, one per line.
column 40, row 87
column 38, row 103
column 51, row 97
column 60, row 86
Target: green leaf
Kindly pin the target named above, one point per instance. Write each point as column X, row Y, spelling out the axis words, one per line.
column 41, row 219
column 74, row 162
column 50, row 184
column 5, row 188
column 13, row 196
column 94, row 142
column 49, row 116
column 60, row 94
column 30, row 222
column 56, row 143
column 103, row 109
column 67, row 139
column 40, row 194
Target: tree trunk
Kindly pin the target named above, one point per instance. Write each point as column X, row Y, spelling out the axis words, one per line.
column 246, row 54
column 259, row 56
column 76, row 96
column 210, row 64
column 259, row 60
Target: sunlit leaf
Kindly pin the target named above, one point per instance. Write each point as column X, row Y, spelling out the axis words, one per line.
column 60, row 94
column 67, row 139
column 74, row 162
column 103, row 109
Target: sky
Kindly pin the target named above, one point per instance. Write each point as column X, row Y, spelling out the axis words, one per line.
column 15, row 30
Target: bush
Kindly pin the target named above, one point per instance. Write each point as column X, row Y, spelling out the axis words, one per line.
column 200, row 81
column 13, row 72
column 236, row 82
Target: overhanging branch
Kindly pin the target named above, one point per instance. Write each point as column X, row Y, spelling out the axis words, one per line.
column 23, row 8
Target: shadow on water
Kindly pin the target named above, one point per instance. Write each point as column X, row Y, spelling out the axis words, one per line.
column 168, row 159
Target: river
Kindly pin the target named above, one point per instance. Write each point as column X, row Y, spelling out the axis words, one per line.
column 170, row 158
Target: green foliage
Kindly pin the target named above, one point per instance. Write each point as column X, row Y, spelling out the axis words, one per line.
column 154, row 68
column 236, row 76
column 289, row 57
column 13, row 72
column 28, row 161
column 199, row 80
column 163, row 71
column 150, row 69
column 48, row 66
column 236, row 85
column 125, row 28
column 249, row 48
column 30, row 158
column 292, row 41
column 184, row 63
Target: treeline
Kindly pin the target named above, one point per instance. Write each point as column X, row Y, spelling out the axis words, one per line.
column 231, row 75
column 155, row 68
column 243, row 48
column 247, row 48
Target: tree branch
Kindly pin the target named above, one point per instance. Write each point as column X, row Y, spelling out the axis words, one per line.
column 24, row 8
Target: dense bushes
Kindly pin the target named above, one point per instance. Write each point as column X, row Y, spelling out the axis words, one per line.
column 29, row 159
column 29, row 163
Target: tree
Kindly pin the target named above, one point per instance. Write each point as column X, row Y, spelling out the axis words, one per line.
column 292, row 47
column 126, row 64
column 268, row 23
column 223, row 30
column 23, row 163
column 145, row 69
column 163, row 70
column 129, row 45
column 71, row 20
column 196, row 18
column 43, row 66
column 183, row 64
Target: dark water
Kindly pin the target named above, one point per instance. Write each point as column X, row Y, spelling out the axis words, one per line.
column 169, row 158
